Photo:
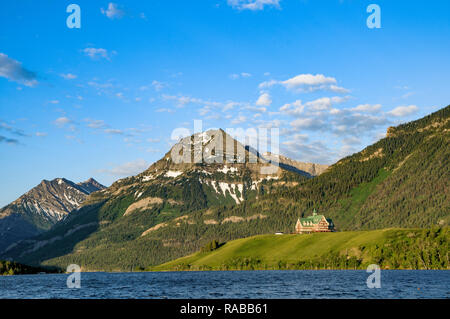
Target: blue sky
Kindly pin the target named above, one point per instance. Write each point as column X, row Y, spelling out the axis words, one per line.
column 103, row 100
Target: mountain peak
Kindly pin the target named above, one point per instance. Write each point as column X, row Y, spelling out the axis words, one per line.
column 41, row 207
column 91, row 180
column 91, row 185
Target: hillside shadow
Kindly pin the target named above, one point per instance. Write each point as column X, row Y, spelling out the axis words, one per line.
column 278, row 163
column 58, row 241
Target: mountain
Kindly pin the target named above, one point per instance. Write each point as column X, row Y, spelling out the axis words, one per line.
column 90, row 186
column 200, row 173
column 310, row 168
column 174, row 208
column 42, row 207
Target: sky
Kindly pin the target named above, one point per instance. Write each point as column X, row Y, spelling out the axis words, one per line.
column 103, row 100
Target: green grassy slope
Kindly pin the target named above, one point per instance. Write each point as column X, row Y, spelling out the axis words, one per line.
column 390, row 248
column 400, row 181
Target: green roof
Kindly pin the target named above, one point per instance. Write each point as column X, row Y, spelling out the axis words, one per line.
column 315, row 219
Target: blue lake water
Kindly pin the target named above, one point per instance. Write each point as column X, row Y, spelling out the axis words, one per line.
column 232, row 284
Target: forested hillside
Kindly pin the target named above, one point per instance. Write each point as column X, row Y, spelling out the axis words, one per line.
column 171, row 211
column 8, row 268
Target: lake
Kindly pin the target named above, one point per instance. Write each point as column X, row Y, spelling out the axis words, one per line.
column 232, row 284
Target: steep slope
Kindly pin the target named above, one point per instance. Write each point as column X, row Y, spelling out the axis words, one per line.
column 173, row 209
column 42, row 207
column 195, row 177
column 310, row 168
column 400, row 181
column 90, row 186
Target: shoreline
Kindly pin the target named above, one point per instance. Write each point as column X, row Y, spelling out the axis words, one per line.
column 232, row 270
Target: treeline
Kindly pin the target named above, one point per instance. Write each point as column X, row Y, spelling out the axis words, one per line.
column 400, row 181
column 13, row 268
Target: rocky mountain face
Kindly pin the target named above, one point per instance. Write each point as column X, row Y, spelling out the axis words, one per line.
column 41, row 208
column 177, row 206
column 90, row 186
column 310, row 168
column 200, row 173
column 206, row 169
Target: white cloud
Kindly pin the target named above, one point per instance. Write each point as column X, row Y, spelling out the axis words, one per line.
column 308, row 80
column 13, row 70
column 127, row 169
column 158, row 85
column 296, row 108
column 113, row 11
column 264, row 100
column 68, row 76
column 239, row 119
column 403, row 110
column 113, row 131
column 320, row 104
column 54, row 102
column 315, row 151
column 261, row 109
column 307, row 123
column 307, row 83
column 204, row 110
column 356, row 124
column 253, row 4
column 95, row 123
column 338, row 89
column 348, row 149
column 407, row 95
column 95, row 53
column 268, row 124
column 334, row 111
column 41, row 134
column 267, row 84
column 62, row 121
column 183, row 100
column 236, row 76
column 229, row 106
column 161, row 110
column 370, row 108
column 100, row 86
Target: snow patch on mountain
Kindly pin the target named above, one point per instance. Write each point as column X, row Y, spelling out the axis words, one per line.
column 173, row 173
column 147, row 178
column 227, row 169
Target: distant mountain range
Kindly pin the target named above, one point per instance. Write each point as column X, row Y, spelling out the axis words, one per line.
column 174, row 208
column 41, row 208
column 168, row 190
